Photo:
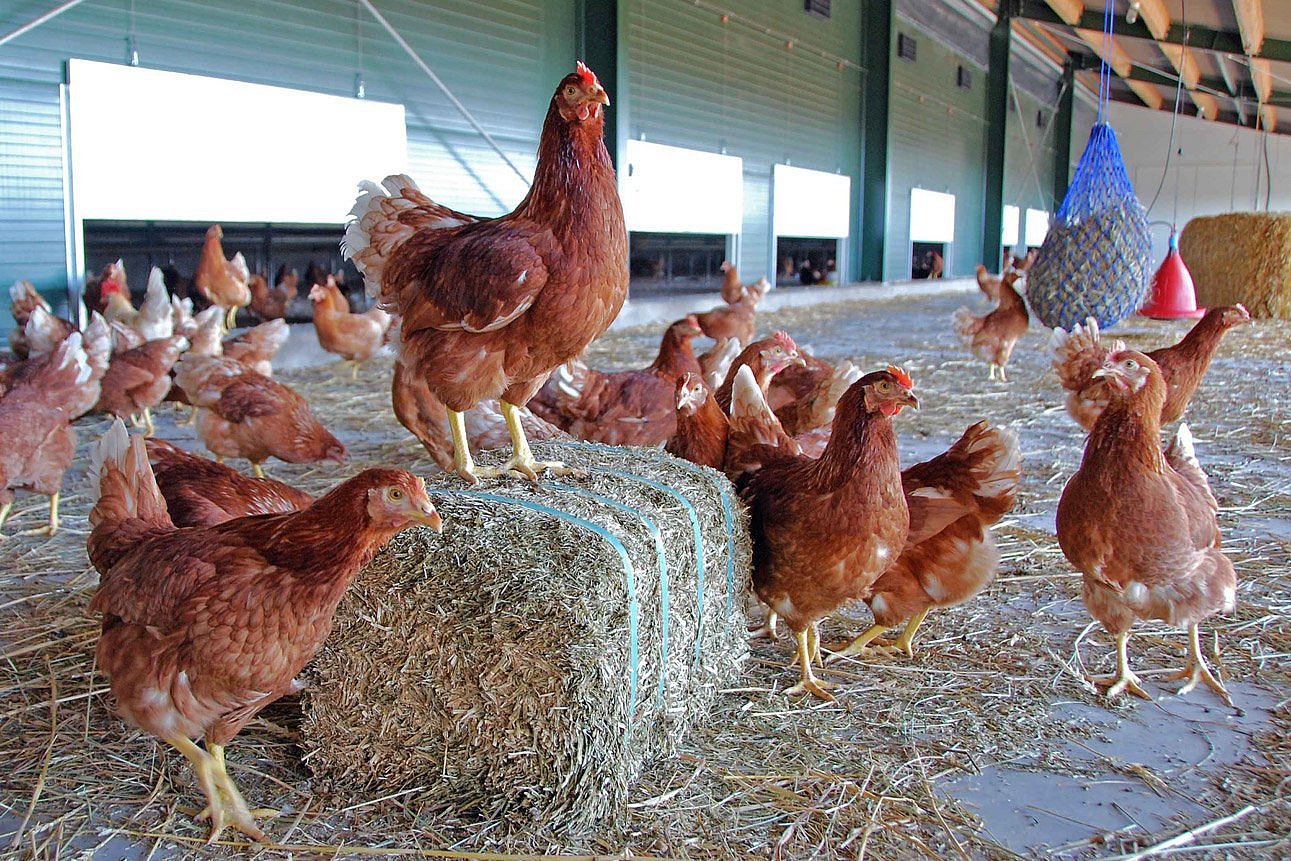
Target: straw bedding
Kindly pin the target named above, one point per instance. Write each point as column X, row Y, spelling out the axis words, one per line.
column 1241, row 257
column 525, row 664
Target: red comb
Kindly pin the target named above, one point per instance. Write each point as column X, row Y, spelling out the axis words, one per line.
column 588, row 76
column 902, row 377
column 782, row 338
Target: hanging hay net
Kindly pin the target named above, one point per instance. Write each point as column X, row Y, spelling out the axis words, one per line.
column 1096, row 259
column 525, row 664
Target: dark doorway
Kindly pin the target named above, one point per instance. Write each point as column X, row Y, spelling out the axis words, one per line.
column 927, row 259
column 675, row 262
column 805, row 260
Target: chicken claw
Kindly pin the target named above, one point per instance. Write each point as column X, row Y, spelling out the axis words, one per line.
column 225, row 805
column 809, row 683
column 1124, row 680
column 1196, row 669
column 767, row 630
column 858, row 645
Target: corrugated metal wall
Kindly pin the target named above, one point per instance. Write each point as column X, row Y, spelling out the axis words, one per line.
column 502, row 58
column 937, row 140
column 699, row 83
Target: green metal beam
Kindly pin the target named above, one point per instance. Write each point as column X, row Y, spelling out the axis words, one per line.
column 596, row 30
column 997, row 135
column 876, row 54
column 1062, row 132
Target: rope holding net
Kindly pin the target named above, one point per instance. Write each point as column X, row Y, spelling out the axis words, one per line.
column 1095, row 260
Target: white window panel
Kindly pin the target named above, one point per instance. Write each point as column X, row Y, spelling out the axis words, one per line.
column 932, row 216
column 811, row 203
column 668, row 189
column 1010, row 236
column 159, row 145
column 1037, row 226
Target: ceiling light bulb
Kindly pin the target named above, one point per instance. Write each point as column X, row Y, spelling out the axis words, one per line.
column 1132, row 13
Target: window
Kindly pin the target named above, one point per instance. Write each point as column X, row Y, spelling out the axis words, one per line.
column 818, row 8
column 907, row 47
column 964, row 78
column 1009, row 237
column 1037, row 227
column 659, row 176
column 810, row 202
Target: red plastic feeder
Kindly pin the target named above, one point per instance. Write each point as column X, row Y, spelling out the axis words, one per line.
column 1173, row 296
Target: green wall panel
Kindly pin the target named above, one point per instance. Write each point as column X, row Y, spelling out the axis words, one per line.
column 1029, row 158
column 936, row 141
column 502, row 58
column 700, row 83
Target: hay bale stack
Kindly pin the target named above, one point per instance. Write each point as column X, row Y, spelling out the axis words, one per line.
column 526, row 663
column 1241, row 257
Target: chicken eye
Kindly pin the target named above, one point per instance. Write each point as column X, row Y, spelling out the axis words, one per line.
column 885, row 387
column 1131, row 365
column 571, row 91
column 395, row 494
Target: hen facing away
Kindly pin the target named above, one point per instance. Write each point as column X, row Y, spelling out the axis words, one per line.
column 1079, row 354
column 991, row 338
column 37, row 442
column 1140, row 524
column 204, row 627
column 825, row 530
column 201, row 492
column 489, row 307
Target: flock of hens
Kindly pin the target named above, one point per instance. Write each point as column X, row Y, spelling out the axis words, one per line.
column 217, row 588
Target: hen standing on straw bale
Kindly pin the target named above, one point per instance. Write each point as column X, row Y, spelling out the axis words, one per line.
column 991, row 338
column 1078, row 355
column 636, row 407
column 824, row 530
column 37, row 442
column 204, row 627
column 490, row 306
column 241, row 413
column 1140, row 524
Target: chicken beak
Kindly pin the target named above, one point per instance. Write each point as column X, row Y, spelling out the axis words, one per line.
column 1104, row 372
column 601, row 97
column 907, row 399
column 428, row 516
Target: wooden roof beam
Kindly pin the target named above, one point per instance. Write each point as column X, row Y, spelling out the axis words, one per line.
column 1262, row 78
column 1122, row 66
column 1250, row 22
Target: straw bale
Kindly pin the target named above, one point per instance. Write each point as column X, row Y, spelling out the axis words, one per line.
column 494, row 663
column 1241, row 257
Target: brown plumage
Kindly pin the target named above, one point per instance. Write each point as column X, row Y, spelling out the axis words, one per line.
column 636, row 407
column 201, row 492
column 732, row 290
column 257, row 346
column 204, row 627
column 36, row 440
column 1078, row 354
column 715, row 362
column 421, row 412
column 825, row 530
column 738, row 319
column 803, row 396
column 24, row 300
column 222, row 282
column 702, row 427
column 138, row 379
column 765, row 358
column 354, row 337
column 490, row 307
column 992, row 337
column 754, row 431
column 1140, row 524
column 245, row 414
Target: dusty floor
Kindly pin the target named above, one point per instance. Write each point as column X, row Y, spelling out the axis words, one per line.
column 986, row 744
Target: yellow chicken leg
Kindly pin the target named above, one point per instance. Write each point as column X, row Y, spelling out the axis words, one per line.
column 768, row 628
column 1196, row 669
column 148, row 428
column 905, row 642
column 463, row 463
column 258, row 470
column 231, row 318
column 1124, row 680
column 522, row 463
column 858, row 645
column 229, row 794
column 808, row 682
column 51, row 527
column 4, row 514
column 221, row 793
column 354, row 370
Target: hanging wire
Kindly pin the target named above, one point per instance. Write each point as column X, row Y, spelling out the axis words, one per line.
column 360, row 86
column 132, row 49
column 1105, row 67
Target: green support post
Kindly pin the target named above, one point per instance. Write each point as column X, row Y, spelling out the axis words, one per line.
column 597, row 33
column 997, row 124
column 1062, row 133
column 876, row 52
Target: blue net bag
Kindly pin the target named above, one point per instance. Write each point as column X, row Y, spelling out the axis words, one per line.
column 1095, row 260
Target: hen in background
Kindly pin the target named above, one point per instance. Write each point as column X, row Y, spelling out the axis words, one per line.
column 732, row 290
column 201, row 492
column 24, row 301
column 138, row 379
column 635, row 407
column 737, row 320
column 354, row 337
column 765, row 358
column 715, row 363
column 204, row 627
column 803, row 395
column 37, row 442
column 702, row 427
column 245, row 414
column 992, row 337
column 490, row 307
column 270, row 303
column 1140, row 524
column 257, row 346
column 222, row 282
column 1079, row 355
column 156, row 317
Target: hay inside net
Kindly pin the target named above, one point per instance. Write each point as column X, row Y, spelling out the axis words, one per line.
column 1241, row 257
column 526, row 663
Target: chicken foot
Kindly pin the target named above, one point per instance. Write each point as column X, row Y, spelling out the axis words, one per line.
column 231, row 318
column 808, row 682
column 48, row 529
column 257, row 469
column 767, row 630
column 1124, row 680
column 228, row 789
column 1196, row 670
column 149, row 429
column 221, row 793
column 1003, row 379
column 522, row 463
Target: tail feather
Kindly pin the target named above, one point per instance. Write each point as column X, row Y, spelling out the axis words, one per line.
column 967, row 324
column 981, row 472
column 123, row 480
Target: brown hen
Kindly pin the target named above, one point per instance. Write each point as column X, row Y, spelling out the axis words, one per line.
column 992, row 337
column 225, row 283
column 138, row 379
column 702, row 427
column 201, row 492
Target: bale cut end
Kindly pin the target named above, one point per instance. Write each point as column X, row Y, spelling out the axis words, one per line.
column 525, row 664
column 1241, row 257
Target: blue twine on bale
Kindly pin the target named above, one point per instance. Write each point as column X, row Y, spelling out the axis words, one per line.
column 1095, row 260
